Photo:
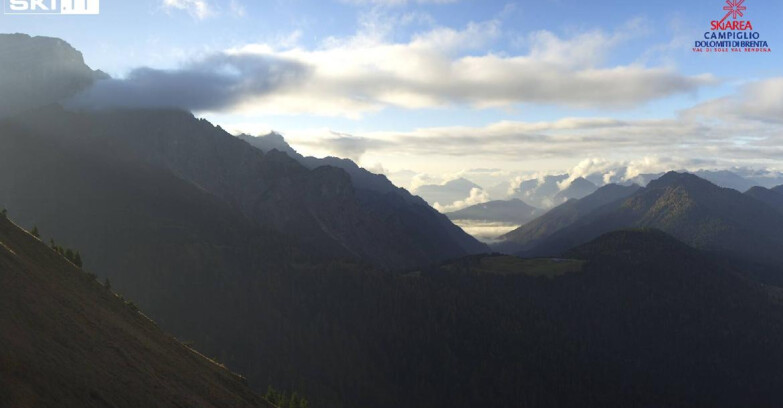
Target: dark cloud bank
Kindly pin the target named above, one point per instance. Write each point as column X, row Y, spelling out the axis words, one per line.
column 215, row 83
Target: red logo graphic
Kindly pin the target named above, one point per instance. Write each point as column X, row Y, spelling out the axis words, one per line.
column 734, row 8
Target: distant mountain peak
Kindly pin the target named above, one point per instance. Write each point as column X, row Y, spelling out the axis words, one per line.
column 513, row 211
column 580, row 184
column 582, row 181
column 578, row 188
column 271, row 141
column 461, row 182
column 677, row 179
column 275, row 137
column 616, row 187
column 38, row 71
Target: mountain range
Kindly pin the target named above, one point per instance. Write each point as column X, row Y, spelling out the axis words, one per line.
column 527, row 236
column 546, row 192
column 489, row 220
column 699, row 213
column 422, row 226
column 317, row 276
column 321, row 208
column 512, row 211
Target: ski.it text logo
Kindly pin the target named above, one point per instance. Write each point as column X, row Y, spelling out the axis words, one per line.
column 51, row 6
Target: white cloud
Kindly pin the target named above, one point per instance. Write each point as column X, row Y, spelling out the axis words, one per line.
column 199, row 9
column 586, row 49
column 445, row 67
column 350, row 147
column 590, row 167
column 423, row 179
column 760, row 100
column 438, row 67
column 740, row 130
column 213, row 83
column 567, row 137
column 477, row 196
column 486, row 231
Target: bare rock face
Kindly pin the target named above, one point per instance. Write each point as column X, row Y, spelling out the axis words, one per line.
column 320, row 207
column 429, row 235
column 37, row 71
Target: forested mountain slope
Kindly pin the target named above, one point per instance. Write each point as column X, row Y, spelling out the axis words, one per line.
column 68, row 341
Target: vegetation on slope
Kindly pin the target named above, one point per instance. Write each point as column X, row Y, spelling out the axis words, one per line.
column 67, row 341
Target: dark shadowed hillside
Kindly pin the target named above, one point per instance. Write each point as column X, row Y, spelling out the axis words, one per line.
column 193, row 260
column 67, row 341
column 409, row 215
column 319, row 208
column 772, row 197
column 642, row 320
column 145, row 229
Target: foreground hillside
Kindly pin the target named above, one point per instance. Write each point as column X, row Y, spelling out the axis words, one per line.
column 636, row 319
column 67, row 341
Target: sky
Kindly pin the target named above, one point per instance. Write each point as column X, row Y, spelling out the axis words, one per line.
column 425, row 91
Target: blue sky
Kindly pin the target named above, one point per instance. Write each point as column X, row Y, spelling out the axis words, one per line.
column 151, row 31
column 430, row 90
